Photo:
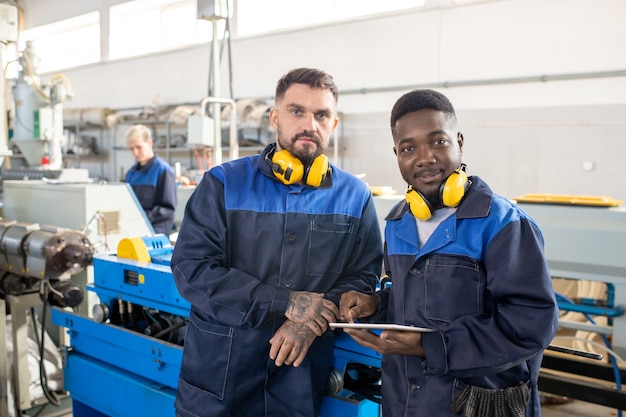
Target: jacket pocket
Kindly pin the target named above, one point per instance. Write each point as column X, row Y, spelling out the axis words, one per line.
column 453, row 287
column 199, row 372
column 331, row 240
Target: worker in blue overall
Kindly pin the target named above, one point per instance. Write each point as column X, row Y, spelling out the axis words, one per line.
column 464, row 263
column 267, row 245
column 152, row 179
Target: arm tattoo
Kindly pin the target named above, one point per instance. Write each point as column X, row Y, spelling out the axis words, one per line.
column 299, row 331
column 301, row 303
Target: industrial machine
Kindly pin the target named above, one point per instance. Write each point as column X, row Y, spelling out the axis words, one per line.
column 124, row 361
column 38, row 127
column 8, row 33
column 36, row 256
column 36, row 266
column 585, row 238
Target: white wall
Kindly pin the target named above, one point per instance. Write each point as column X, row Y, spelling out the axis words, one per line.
column 521, row 137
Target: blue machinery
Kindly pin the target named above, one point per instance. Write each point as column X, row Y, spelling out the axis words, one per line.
column 125, row 361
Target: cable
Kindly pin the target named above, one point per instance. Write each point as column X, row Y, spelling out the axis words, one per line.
column 43, row 377
column 170, row 329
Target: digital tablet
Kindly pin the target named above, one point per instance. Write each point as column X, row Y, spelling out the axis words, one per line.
column 379, row 326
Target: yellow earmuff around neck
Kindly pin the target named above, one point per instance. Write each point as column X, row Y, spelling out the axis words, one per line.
column 290, row 170
column 451, row 192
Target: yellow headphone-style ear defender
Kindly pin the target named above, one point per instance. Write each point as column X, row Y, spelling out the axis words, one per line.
column 451, row 193
column 317, row 171
column 287, row 167
column 454, row 187
column 420, row 207
column 290, row 170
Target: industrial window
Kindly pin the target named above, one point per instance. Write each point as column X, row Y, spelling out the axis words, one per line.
column 147, row 26
column 254, row 16
column 66, row 43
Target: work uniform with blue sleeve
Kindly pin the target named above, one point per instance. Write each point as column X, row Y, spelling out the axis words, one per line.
column 482, row 283
column 154, row 185
column 246, row 241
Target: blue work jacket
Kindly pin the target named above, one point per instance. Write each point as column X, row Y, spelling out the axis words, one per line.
column 482, row 282
column 246, row 241
column 154, row 185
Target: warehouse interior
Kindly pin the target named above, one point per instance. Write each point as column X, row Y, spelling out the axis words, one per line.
column 539, row 88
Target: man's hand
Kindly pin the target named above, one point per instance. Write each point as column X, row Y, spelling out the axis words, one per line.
column 312, row 310
column 354, row 305
column 291, row 343
column 390, row 341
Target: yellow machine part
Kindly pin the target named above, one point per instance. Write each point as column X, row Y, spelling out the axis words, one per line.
column 133, row 248
column 569, row 199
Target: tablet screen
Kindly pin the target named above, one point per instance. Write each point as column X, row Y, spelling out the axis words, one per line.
column 381, row 326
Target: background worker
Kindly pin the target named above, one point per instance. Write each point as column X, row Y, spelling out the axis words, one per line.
column 152, row 179
column 267, row 245
column 466, row 263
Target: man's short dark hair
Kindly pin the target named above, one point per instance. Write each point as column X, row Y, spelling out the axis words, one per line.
column 419, row 100
column 312, row 77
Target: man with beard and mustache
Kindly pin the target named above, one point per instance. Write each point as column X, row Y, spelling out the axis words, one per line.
column 464, row 263
column 267, row 245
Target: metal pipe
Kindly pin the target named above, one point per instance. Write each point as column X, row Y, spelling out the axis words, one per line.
column 493, row 81
column 233, row 144
column 215, row 91
column 575, row 325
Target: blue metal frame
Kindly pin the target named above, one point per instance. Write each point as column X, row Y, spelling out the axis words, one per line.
column 99, row 389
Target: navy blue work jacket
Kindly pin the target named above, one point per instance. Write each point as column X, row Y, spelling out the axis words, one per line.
column 482, row 282
column 154, row 185
column 246, row 241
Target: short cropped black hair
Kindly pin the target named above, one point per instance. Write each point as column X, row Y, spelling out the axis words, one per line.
column 419, row 100
column 312, row 77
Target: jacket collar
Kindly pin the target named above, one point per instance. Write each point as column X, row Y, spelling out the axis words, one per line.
column 147, row 166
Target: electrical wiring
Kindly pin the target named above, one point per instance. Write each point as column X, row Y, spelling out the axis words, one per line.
column 43, row 376
column 50, row 395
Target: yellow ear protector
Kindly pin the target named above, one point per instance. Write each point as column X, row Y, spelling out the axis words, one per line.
column 290, row 170
column 451, row 193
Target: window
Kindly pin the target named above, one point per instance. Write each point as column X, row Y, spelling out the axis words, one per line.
column 65, row 44
column 254, row 16
column 147, row 26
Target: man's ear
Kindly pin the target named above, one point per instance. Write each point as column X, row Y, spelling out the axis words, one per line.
column 274, row 117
